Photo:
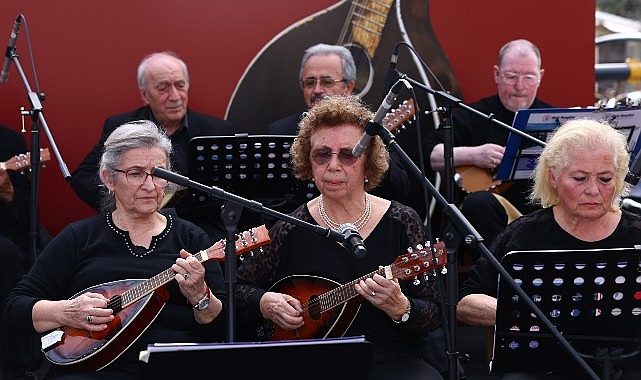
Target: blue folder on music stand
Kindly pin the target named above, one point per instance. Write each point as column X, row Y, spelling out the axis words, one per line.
column 521, row 154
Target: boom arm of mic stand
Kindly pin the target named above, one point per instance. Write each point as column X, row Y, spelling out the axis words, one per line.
column 450, row 99
column 221, row 194
column 464, row 226
column 230, row 214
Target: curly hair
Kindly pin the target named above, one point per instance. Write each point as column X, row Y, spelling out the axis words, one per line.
column 574, row 135
column 330, row 112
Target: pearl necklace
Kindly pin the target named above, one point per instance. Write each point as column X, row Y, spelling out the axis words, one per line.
column 358, row 223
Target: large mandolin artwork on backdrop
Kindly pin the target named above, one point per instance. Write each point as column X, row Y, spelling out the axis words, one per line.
column 269, row 88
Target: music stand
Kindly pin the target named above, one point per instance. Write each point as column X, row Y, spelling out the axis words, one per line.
column 519, row 159
column 256, row 167
column 593, row 297
column 338, row 358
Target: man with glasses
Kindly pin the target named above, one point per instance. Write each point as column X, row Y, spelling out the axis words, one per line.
column 479, row 143
column 163, row 83
column 326, row 70
column 329, row 70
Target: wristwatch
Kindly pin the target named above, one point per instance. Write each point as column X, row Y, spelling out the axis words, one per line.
column 405, row 315
column 204, row 302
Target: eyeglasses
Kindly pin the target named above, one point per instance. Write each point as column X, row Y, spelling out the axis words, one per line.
column 138, row 177
column 513, row 78
column 326, row 82
column 324, row 156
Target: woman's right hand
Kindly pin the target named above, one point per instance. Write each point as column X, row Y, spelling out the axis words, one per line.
column 282, row 309
column 87, row 311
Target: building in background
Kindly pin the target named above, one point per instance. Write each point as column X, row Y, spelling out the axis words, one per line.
column 617, row 60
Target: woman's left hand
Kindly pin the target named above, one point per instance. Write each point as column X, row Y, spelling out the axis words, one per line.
column 384, row 294
column 190, row 275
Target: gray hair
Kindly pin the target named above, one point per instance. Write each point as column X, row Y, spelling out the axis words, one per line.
column 523, row 47
column 142, row 67
column 349, row 67
column 131, row 135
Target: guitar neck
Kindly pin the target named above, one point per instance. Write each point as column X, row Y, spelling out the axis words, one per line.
column 367, row 19
column 405, row 267
column 141, row 290
column 343, row 293
column 247, row 241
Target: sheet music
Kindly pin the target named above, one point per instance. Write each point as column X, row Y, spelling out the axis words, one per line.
column 521, row 154
column 591, row 296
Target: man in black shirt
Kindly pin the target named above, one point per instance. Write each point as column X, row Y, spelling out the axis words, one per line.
column 163, row 82
column 480, row 144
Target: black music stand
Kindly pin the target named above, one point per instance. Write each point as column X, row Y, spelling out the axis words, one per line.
column 340, row 358
column 256, row 167
column 593, row 297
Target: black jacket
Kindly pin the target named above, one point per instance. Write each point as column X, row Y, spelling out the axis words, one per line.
column 85, row 181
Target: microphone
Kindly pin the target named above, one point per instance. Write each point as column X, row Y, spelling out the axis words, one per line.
column 635, row 171
column 378, row 118
column 10, row 50
column 170, row 176
column 353, row 241
column 392, row 75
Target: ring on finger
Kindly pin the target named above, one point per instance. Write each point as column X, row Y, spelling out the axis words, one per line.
column 373, row 293
column 186, row 276
column 89, row 318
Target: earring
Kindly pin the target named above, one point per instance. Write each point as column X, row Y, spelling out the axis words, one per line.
column 366, row 180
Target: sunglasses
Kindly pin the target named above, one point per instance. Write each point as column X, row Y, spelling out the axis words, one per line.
column 324, row 156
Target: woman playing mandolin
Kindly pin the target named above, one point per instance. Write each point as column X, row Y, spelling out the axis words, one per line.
column 78, row 284
column 274, row 288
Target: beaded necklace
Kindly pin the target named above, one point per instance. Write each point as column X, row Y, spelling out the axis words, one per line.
column 358, row 223
column 134, row 248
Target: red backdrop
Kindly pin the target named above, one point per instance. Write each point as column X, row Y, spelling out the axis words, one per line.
column 86, row 53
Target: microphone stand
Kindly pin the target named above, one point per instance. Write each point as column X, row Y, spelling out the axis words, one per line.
column 230, row 215
column 472, row 237
column 37, row 119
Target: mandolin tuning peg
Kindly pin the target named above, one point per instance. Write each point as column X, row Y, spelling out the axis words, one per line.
column 416, row 281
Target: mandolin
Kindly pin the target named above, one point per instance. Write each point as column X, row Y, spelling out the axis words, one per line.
column 329, row 308
column 136, row 303
column 471, row 178
column 22, row 162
